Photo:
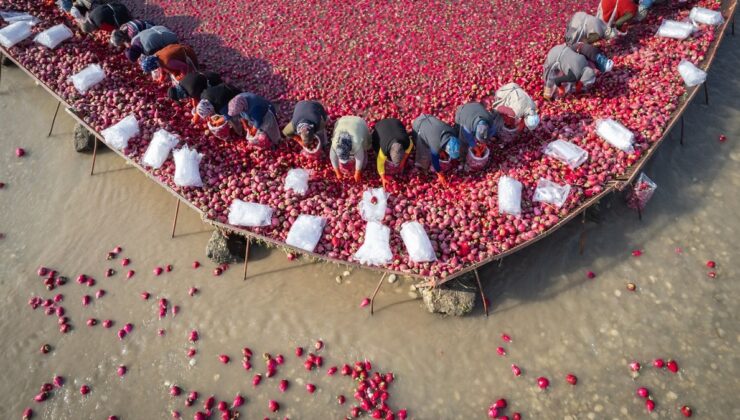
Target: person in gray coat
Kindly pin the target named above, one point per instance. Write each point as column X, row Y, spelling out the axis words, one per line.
column 475, row 124
column 149, row 41
column 583, row 27
column 432, row 137
column 568, row 68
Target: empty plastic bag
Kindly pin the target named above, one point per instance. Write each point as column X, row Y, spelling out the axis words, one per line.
column 550, row 192
column 297, row 180
column 12, row 17
column 615, row 134
column 88, row 77
column 53, row 36
column 376, row 249
column 566, row 152
column 187, row 167
column 674, row 29
column 159, row 148
column 417, row 242
column 306, row 232
column 373, row 204
column 242, row 213
column 691, row 74
column 118, row 135
column 509, row 196
column 15, row 33
column 706, row 16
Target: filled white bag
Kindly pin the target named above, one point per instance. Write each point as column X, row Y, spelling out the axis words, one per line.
column 550, row 192
column 674, row 29
column 706, row 16
column 187, row 167
column 509, row 196
column 242, row 213
column 11, row 16
column 159, row 148
column 615, row 134
column 417, row 242
column 691, row 74
column 306, row 232
column 376, row 250
column 373, row 212
column 88, row 77
column 53, row 36
column 297, row 180
column 566, row 152
column 118, row 135
column 15, row 33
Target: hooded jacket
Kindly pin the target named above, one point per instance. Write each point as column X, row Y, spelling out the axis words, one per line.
column 359, row 132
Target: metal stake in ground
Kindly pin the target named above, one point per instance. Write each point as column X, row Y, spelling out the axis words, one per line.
column 482, row 295
column 174, row 222
column 246, row 257
column 372, row 299
column 95, row 154
column 706, row 94
column 53, row 120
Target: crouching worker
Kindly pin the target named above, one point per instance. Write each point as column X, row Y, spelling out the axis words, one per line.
column 175, row 60
column 149, row 41
column 308, row 127
column 192, row 86
column 392, row 145
column 435, row 141
column 122, row 36
column 350, row 141
column 568, row 69
column 583, row 27
column 516, row 108
column 104, row 17
column 214, row 109
column 477, row 127
column 254, row 116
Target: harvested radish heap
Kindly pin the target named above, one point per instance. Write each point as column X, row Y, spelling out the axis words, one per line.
column 393, row 62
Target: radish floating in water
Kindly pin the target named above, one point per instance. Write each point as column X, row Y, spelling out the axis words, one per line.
column 20, row 152
column 238, row 401
column 543, row 382
column 224, row 359
column 643, row 392
column 658, row 363
column 506, row 338
column 311, row 388
column 27, row 414
column 650, row 405
column 364, row 302
column 196, row 264
column 193, row 336
column 672, row 365
column 571, row 379
column 121, row 370
column 637, row 253
column 686, row 411
column 516, row 370
column 590, row 274
column 157, row 271
column 273, row 406
column 501, row 351
column 256, row 379
column 84, row 389
column 175, row 390
column 635, row 366
column 283, row 385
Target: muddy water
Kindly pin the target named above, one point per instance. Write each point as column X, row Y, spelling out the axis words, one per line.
column 55, row 214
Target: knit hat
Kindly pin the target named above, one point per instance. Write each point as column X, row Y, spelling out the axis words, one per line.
column 237, row 105
column 344, row 148
column 149, row 63
column 177, row 93
column 118, row 37
column 205, row 109
column 305, row 130
column 481, row 130
column 453, row 148
column 397, row 153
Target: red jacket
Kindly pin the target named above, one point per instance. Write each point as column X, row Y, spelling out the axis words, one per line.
column 623, row 7
column 177, row 59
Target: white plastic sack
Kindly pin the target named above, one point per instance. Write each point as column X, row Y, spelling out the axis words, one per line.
column 674, row 29
column 159, row 148
column 242, row 213
column 550, row 192
column 417, row 242
column 509, row 196
column 53, row 36
column 306, row 232
column 88, row 77
column 118, row 135
column 706, row 16
column 187, row 171
column 615, row 134
column 373, row 205
column 12, row 17
column 566, row 152
column 297, row 180
column 691, row 74
column 376, row 249
column 15, row 33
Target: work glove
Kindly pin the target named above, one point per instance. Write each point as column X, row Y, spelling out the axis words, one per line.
column 358, row 176
column 442, row 180
column 338, row 174
column 384, row 181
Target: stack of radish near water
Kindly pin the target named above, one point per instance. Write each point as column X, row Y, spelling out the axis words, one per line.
column 531, row 184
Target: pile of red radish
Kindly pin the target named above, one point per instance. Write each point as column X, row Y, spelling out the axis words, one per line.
column 396, row 60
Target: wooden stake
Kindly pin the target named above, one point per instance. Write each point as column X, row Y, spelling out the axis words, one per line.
column 174, row 222
column 480, row 288
column 582, row 239
column 53, row 120
column 706, row 94
column 639, row 213
column 372, row 299
column 95, row 155
column 682, row 130
column 246, row 256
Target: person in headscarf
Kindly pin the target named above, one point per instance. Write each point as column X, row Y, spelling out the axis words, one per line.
column 350, row 140
column 583, row 27
column 308, row 122
column 215, row 101
column 122, row 36
column 176, row 60
column 192, row 86
column 149, row 41
column 257, row 117
column 104, row 17
column 392, row 145
column 568, row 68
column 434, row 137
column 516, row 108
column 476, row 124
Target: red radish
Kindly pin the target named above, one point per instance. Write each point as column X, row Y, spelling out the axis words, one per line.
column 590, row 274
column 121, row 370
column 711, row 264
column 45, row 349
column 107, row 323
column 191, row 352
column 130, row 274
column 196, row 264
column 364, row 302
column 92, row 322
column 192, row 291
column 168, row 268
column 672, row 366
column 58, row 381
column 500, row 404
column 311, row 388
column 658, row 363
column 341, row 399
column 299, row 351
column 224, row 358
column 246, row 365
column 516, row 416
column 331, row 371
column 650, row 405
column 175, row 391
column 217, row 271
column 247, row 352
column 318, row 345
column 117, row 250
column 643, row 392
column 238, row 401
column 41, row 396
column 283, row 385
column 20, row 152
column 128, row 327
column 27, row 414
column 145, row 295
column 516, row 370
column 686, row 411
column 402, row 414
column 84, row 389
column 122, row 334
column 571, row 379
column 635, row 366
column 42, row 271
column 222, row 406
column 712, row 274
column 506, row 337
column 161, row 332
column 273, row 405
column 86, row 300
column 637, row 253
column 501, row 351
column 125, row 262
column 543, row 382
column 99, row 294
column 175, row 414
column 193, row 336
column 722, row 139
column 157, row 271
column 492, row 412
column 256, row 379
